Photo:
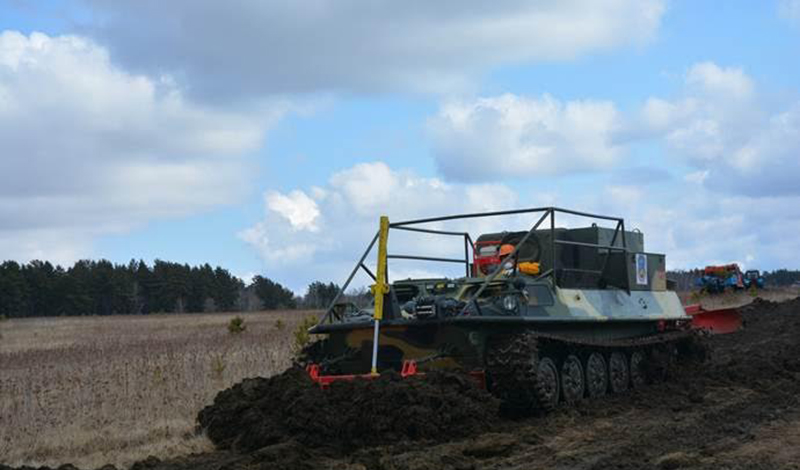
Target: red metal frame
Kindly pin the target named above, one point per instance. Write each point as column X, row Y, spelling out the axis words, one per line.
column 408, row 369
column 325, row 381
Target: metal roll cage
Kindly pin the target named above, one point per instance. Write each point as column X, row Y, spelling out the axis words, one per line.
column 546, row 212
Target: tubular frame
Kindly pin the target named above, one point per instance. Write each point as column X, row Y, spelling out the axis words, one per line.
column 469, row 245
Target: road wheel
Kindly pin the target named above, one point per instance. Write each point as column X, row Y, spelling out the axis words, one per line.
column 596, row 375
column 618, row 372
column 547, row 387
column 637, row 369
column 572, row 384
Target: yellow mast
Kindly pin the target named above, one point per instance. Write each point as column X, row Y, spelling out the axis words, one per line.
column 379, row 288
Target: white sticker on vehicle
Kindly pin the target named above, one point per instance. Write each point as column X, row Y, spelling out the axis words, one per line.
column 641, row 269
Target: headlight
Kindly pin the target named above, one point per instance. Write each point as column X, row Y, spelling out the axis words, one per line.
column 474, row 338
column 510, row 302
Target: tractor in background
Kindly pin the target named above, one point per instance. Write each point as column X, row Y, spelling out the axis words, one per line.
column 753, row 279
column 718, row 279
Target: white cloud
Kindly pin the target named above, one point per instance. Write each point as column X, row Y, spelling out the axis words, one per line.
column 660, row 114
column 287, row 250
column 62, row 246
column 701, row 138
column 367, row 187
column 241, row 48
column 729, row 82
column 350, row 207
column 724, row 128
column 511, row 136
column 696, row 177
column 87, row 148
column 300, row 210
column 693, row 225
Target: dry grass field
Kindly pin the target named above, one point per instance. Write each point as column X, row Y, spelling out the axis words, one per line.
column 737, row 299
column 97, row 390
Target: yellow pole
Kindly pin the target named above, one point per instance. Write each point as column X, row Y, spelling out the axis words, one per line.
column 379, row 289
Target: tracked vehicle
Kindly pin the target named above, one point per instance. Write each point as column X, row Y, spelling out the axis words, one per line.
column 541, row 316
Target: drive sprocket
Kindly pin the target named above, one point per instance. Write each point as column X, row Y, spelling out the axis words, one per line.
column 512, row 363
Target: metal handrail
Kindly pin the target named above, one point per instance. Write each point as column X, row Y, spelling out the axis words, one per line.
column 425, row 258
column 478, row 215
column 468, row 243
column 339, row 294
column 429, row 230
column 589, row 245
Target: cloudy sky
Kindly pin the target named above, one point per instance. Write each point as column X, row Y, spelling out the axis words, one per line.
column 268, row 136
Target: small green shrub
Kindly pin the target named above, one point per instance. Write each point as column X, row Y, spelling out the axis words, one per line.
column 301, row 336
column 236, row 325
column 217, row 365
column 159, row 376
column 279, row 324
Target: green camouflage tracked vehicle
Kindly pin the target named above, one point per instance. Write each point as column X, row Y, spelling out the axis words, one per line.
column 541, row 316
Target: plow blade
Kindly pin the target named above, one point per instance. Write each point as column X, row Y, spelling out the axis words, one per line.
column 717, row 322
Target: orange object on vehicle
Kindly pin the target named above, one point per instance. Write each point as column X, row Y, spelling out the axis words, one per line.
column 528, row 267
column 506, row 249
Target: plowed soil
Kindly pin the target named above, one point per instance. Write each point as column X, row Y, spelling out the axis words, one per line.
column 349, row 414
column 738, row 410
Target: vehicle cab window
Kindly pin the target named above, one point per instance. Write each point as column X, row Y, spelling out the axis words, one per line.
column 538, row 295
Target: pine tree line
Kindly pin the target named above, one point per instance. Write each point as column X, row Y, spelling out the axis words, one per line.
column 100, row 287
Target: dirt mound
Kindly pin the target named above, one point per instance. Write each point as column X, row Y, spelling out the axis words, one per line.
column 766, row 353
column 261, row 412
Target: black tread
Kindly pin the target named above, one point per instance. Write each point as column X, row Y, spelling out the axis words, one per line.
column 511, row 362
